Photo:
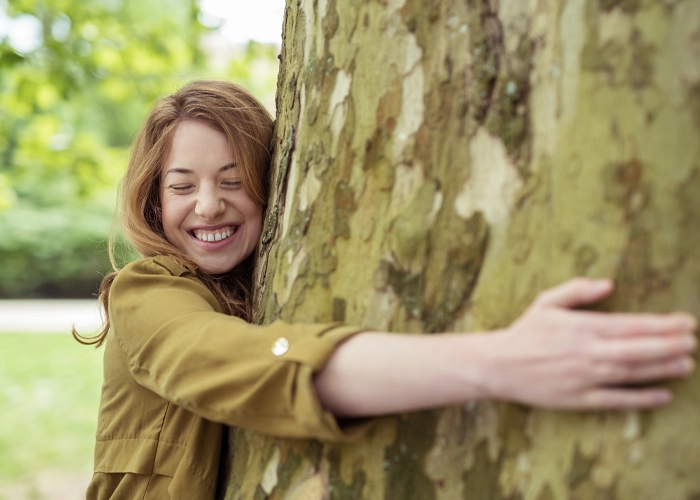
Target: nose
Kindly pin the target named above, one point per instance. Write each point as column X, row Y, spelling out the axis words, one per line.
column 209, row 204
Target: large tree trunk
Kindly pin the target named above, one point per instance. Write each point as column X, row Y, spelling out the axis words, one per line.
column 437, row 164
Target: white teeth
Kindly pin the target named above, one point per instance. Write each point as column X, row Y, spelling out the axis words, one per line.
column 215, row 236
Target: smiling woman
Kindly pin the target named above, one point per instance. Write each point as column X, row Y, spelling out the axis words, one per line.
column 198, row 168
column 207, row 213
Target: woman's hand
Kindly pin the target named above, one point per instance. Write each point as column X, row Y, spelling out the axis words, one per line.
column 553, row 356
column 557, row 357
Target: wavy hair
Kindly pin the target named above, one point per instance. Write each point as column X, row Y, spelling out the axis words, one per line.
column 247, row 125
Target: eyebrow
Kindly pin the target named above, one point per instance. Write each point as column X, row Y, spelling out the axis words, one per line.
column 228, row 166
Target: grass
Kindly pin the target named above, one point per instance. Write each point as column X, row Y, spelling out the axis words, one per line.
column 49, row 397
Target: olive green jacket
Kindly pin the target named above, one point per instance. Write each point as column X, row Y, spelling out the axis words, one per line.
column 176, row 370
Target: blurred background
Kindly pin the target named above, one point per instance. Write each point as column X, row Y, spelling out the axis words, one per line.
column 76, row 81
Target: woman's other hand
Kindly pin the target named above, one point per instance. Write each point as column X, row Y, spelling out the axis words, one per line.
column 556, row 356
column 553, row 356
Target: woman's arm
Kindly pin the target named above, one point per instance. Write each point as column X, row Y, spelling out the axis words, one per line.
column 552, row 357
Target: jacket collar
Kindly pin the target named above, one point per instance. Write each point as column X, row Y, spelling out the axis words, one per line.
column 176, row 267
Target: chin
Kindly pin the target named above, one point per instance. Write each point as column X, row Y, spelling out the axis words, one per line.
column 216, row 269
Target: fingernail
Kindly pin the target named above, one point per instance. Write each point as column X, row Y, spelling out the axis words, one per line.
column 691, row 323
column 690, row 366
column 685, row 365
column 603, row 284
column 686, row 321
column 664, row 397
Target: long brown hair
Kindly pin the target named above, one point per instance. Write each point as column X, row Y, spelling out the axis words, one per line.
column 247, row 125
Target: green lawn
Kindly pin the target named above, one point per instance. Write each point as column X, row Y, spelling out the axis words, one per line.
column 49, row 396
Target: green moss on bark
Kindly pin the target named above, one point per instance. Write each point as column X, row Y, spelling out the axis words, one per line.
column 405, row 477
column 481, row 481
column 337, row 489
column 486, row 47
column 344, row 207
column 629, row 6
column 464, row 258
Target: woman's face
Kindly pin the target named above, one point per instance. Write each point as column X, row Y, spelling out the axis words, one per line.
column 207, row 214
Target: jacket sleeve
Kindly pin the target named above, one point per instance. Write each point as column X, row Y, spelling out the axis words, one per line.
column 217, row 366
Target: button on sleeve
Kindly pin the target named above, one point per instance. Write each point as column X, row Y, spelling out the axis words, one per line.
column 280, row 346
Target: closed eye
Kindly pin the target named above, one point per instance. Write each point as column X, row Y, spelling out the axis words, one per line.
column 232, row 183
column 180, row 187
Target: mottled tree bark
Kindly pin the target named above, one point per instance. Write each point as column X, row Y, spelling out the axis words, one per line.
column 437, row 163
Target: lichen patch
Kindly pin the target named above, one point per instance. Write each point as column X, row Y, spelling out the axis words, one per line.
column 307, row 7
column 414, row 54
column 493, row 181
column 412, row 105
column 309, row 190
column 269, row 478
column 337, row 107
column 294, row 262
column 339, row 94
column 408, row 180
column 289, row 196
column 614, row 26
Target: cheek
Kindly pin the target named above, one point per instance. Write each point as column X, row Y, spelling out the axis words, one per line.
column 170, row 215
column 165, row 214
column 253, row 216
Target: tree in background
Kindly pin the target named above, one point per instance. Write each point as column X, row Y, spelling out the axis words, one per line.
column 69, row 110
column 437, row 164
column 70, row 104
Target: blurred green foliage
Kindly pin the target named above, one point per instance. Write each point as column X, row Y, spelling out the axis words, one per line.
column 71, row 100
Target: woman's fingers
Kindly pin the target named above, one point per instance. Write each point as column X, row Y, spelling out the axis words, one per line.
column 628, row 373
column 634, row 325
column 643, row 349
column 575, row 292
column 582, row 291
column 622, row 398
column 564, row 358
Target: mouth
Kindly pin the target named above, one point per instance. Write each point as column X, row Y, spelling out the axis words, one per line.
column 214, row 235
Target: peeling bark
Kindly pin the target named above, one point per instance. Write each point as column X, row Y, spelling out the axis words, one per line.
column 437, row 163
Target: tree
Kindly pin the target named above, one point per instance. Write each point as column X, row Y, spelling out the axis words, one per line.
column 437, row 163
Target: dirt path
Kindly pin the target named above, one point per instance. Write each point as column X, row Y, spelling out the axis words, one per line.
column 47, row 485
column 48, row 316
